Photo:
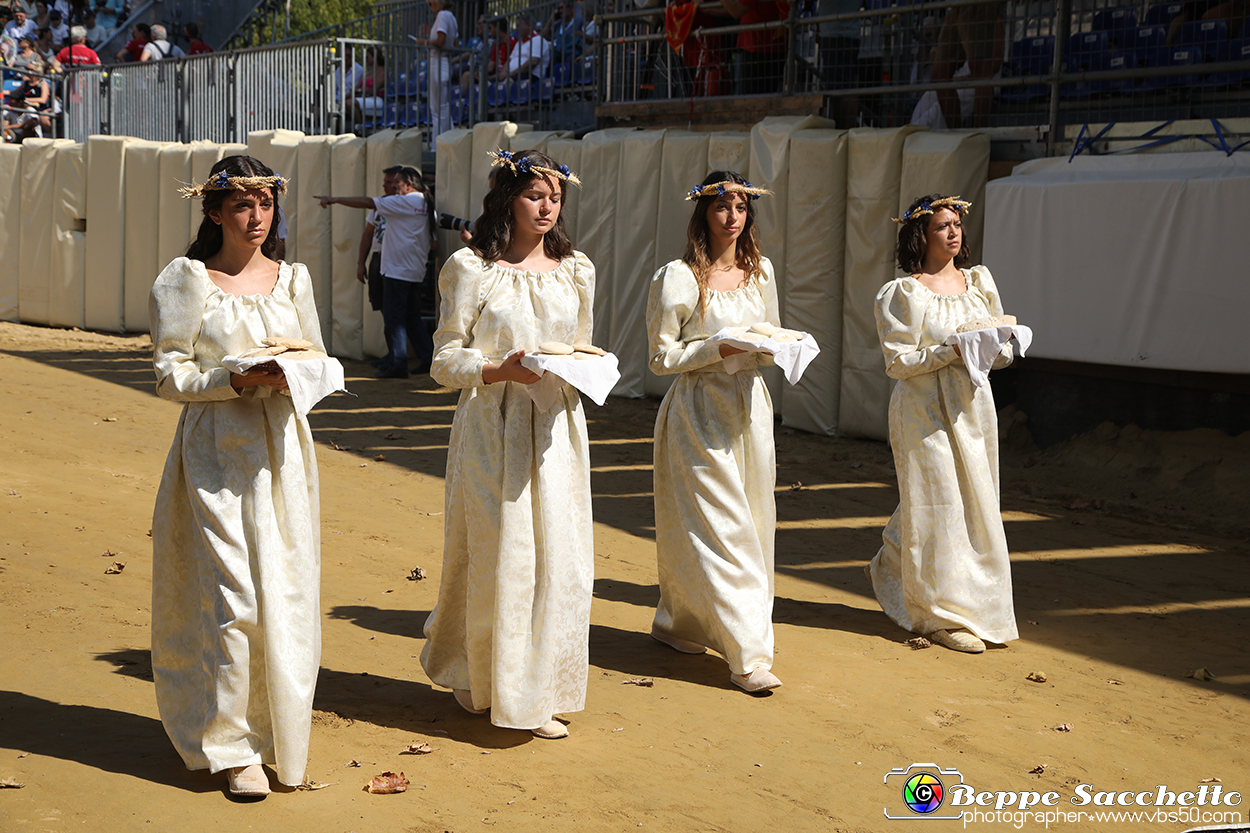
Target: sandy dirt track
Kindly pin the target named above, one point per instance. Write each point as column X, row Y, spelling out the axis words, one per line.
column 1130, row 564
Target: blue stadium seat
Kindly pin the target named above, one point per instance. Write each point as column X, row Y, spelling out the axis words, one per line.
column 474, row 43
column 562, row 74
column 546, row 89
column 497, row 93
column 584, row 70
column 1161, row 14
column 1029, row 56
column 519, row 91
column 1148, row 47
column 1237, row 50
column 1210, row 39
column 1087, row 52
column 1117, row 22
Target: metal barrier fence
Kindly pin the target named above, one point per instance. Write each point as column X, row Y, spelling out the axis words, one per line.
column 946, row 64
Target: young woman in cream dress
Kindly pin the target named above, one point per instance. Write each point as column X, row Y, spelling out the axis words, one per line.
column 943, row 569
column 511, row 629
column 715, row 463
column 236, row 621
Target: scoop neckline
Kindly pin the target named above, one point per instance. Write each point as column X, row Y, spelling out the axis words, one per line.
column 283, row 269
column 967, row 273
column 559, row 265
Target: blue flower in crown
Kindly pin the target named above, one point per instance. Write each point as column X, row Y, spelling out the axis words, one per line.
column 720, row 190
column 696, row 192
column 278, row 181
column 505, row 156
column 751, row 196
column 222, row 180
column 564, row 171
column 523, row 164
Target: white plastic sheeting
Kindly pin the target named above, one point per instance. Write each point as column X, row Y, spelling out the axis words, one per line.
column 873, row 169
column 1162, row 282
column 596, row 232
column 816, row 217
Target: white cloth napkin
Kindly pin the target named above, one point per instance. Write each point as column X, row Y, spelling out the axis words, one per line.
column 792, row 357
column 979, row 348
column 594, row 376
column 309, row 380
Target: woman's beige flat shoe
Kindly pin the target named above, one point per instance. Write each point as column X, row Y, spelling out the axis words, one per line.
column 960, row 640
column 755, row 682
column 552, row 730
column 248, row 781
column 683, row 645
column 465, row 698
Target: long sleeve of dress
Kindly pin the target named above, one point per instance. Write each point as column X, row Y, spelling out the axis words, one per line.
column 671, row 302
column 460, row 286
column 900, row 310
column 981, row 278
column 306, row 306
column 176, row 309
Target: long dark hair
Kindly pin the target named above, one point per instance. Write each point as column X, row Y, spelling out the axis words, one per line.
column 208, row 239
column 492, row 232
column 913, row 237
column 748, row 256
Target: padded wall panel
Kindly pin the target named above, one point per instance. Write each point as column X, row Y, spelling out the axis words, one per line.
column 635, row 255
column 104, row 270
column 35, row 256
column 685, row 155
column 69, row 205
column 601, row 165
column 533, row 140
column 816, row 218
column 143, row 263
column 948, row 162
column 10, row 228
column 487, row 136
column 873, row 169
column 174, row 218
column 726, row 151
column 284, row 160
column 347, row 178
column 453, row 177
column 311, row 229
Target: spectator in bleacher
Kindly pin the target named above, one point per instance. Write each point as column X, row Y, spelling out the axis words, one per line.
column 371, row 88
column 444, row 33
column 591, row 30
column 355, row 74
column 159, row 48
column 96, row 34
column 20, row 25
column 47, row 50
column 196, row 46
column 971, row 33
column 78, row 53
column 107, row 16
column 35, row 93
column 139, row 37
column 839, row 58
column 40, row 16
column 25, row 52
column 564, row 32
column 1232, row 12
column 532, row 54
column 58, row 28
column 499, row 46
column 763, row 52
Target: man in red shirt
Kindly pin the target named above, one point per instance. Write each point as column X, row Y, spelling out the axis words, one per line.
column 196, row 46
column 78, row 53
column 139, row 37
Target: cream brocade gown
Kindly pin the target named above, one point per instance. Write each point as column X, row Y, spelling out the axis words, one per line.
column 943, row 562
column 512, row 623
column 715, row 470
column 236, row 622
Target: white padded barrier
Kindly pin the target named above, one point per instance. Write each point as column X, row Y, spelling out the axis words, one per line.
column 311, row 229
column 815, row 250
column 174, row 211
column 453, row 178
column 873, row 169
column 143, row 263
column 35, row 259
column 10, row 228
column 69, row 245
column 347, row 178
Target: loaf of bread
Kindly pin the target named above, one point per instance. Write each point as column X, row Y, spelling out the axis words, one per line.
column 987, row 323
column 555, row 348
